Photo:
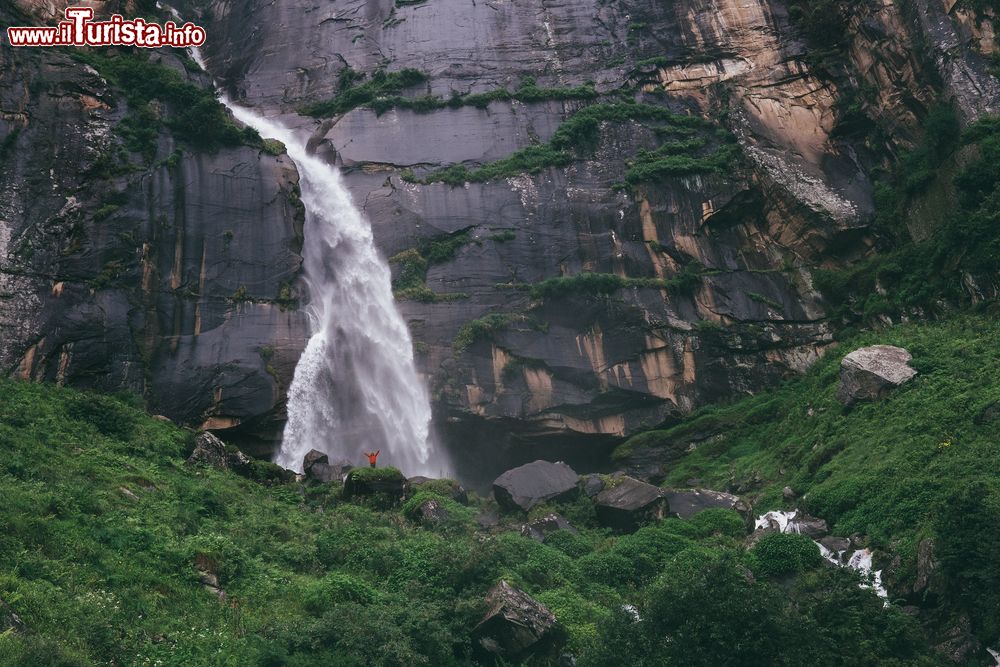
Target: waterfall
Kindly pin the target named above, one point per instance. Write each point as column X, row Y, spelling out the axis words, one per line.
column 355, row 387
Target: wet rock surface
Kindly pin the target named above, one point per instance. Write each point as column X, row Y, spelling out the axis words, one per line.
column 516, row 626
column 871, row 373
column 684, row 504
column 534, row 483
column 164, row 278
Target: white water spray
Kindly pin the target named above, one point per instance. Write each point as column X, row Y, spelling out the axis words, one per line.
column 355, row 388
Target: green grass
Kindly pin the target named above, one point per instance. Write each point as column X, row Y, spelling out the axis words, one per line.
column 894, row 471
column 103, row 524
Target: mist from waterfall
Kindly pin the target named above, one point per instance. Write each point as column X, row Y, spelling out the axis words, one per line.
column 355, row 388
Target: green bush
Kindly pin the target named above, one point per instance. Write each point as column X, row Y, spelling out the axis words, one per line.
column 779, row 554
column 336, row 588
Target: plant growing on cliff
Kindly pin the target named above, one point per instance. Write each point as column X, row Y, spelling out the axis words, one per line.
column 579, row 135
column 195, row 116
column 411, row 278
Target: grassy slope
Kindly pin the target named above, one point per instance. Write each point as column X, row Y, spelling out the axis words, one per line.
column 100, row 578
column 894, row 471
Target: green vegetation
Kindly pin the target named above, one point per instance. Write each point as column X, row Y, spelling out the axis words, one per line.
column 504, row 236
column 195, row 116
column 411, row 280
column 579, row 134
column 924, row 462
column 105, row 528
column 915, row 276
column 485, row 328
column 604, row 284
column 380, row 91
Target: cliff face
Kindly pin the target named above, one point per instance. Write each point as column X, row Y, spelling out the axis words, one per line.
column 168, row 279
column 731, row 248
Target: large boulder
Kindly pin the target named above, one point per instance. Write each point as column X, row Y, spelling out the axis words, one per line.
column 316, row 466
column 534, row 483
column 430, row 513
column 387, row 482
column 542, row 527
column 870, row 373
column 209, row 450
column 628, row 503
column 685, row 504
column 516, row 627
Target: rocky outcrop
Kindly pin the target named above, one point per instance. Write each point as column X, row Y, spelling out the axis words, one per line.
column 170, row 278
column 211, row 451
column 629, row 503
column 534, row 483
column 181, row 293
column 684, row 504
column 516, row 627
column 871, row 373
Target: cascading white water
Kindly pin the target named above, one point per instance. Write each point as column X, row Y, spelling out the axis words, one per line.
column 355, row 388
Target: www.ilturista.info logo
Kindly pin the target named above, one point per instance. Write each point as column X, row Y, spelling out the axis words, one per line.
column 79, row 30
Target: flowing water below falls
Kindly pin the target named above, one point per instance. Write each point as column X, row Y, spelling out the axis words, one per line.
column 355, row 387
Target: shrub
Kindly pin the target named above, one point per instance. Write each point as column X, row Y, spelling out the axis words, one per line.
column 779, row 554
column 336, row 588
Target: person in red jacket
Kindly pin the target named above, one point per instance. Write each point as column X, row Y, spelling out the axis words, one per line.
column 372, row 456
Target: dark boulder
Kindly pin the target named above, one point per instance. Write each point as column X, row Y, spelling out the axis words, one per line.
column 534, row 483
column 835, row 545
column 628, row 503
column 809, row 526
column 685, row 504
column 591, row 484
column 430, row 512
column 870, row 373
column 316, row 466
column 448, row 488
column 313, row 457
column 387, row 482
column 209, row 450
column 516, row 627
column 542, row 527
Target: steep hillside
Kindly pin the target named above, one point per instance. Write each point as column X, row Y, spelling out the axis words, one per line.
column 114, row 551
column 918, row 475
